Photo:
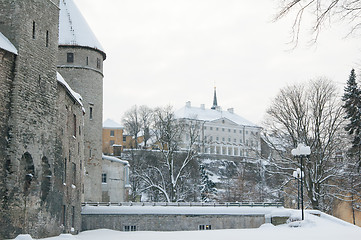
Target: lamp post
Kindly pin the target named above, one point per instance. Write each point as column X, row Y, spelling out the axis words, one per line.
column 296, row 175
column 301, row 151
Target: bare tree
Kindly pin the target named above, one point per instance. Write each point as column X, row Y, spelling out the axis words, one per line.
column 145, row 115
column 168, row 133
column 322, row 11
column 312, row 115
column 132, row 123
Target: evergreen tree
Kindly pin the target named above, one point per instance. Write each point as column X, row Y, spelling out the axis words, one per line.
column 207, row 186
column 352, row 106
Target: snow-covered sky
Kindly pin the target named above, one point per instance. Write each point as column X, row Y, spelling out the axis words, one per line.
column 167, row 52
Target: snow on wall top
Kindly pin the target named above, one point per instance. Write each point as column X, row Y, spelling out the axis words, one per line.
column 7, row 45
column 211, row 115
column 114, row 159
column 73, row 28
column 110, row 124
column 185, row 210
column 74, row 94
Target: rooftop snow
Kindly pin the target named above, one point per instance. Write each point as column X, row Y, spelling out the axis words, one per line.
column 73, row 28
column 114, row 159
column 74, row 94
column 7, row 45
column 110, row 124
column 211, row 115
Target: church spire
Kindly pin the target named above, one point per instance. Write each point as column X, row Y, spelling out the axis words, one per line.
column 215, row 105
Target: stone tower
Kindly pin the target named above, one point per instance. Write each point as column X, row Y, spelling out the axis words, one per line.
column 29, row 163
column 80, row 62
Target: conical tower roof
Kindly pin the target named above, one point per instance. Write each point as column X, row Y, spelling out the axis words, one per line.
column 74, row 30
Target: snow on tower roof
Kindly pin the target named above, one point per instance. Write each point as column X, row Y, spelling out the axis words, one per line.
column 7, row 45
column 110, row 124
column 211, row 115
column 74, row 94
column 73, row 28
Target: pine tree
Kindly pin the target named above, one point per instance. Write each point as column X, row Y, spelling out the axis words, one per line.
column 352, row 106
column 207, row 186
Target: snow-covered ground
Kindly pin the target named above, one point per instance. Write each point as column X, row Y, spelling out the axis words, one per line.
column 313, row 228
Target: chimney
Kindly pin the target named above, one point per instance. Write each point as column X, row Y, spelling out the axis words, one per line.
column 203, row 107
column 188, row 104
column 231, row 110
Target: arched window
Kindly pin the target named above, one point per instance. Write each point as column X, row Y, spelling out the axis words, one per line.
column 29, row 171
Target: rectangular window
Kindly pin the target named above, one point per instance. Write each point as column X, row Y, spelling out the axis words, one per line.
column 222, row 129
column 211, row 128
column 124, row 138
column 74, row 173
column 205, row 128
column 64, row 172
column 47, row 39
column 98, row 63
column 70, row 57
column 240, row 131
column 216, row 129
column 130, row 228
column 223, row 139
column 111, row 142
column 87, row 61
column 234, row 131
column 112, row 133
column 217, row 138
column 63, row 220
column 74, row 124
column 34, row 29
column 90, row 113
column 104, row 178
column 205, row 227
column 229, row 139
column 229, row 130
column 73, row 216
column 90, row 153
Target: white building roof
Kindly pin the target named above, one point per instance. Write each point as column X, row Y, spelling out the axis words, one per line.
column 204, row 114
column 7, row 45
column 73, row 28
column 110, row 124
column 74, row 94
column 114, row 159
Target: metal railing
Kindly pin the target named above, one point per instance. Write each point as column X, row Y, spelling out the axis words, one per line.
column 187, row 204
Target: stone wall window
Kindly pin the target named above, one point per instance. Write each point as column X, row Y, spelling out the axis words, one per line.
column 63, row 218
column 47, row 39
column 130, row 228
column 34, row 29
column 87, row 61
column 90, row 113
column 74, row 173
column 70, row 57
column 104, row 178
column 112, row 133
column 74, row 125
column 205, row 227
column 45, row 179
column 98, row 63
column 72, row 216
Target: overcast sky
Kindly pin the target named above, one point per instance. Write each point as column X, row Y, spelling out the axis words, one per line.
column 167, row 52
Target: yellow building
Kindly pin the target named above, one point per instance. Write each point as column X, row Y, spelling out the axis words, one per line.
column 112, row 138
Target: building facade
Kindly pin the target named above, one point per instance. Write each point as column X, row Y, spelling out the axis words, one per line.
column 115, row 179
column 112, row 138
column 221, row 132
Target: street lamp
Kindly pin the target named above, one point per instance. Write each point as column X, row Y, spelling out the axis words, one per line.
column 296, row 176
column 300, row 152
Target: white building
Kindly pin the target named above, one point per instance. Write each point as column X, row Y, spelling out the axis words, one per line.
column 115, row 179
column 222, row 132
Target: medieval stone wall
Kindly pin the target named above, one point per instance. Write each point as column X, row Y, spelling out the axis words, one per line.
column 30, row 197
column 84, row 76
column 70, row 139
